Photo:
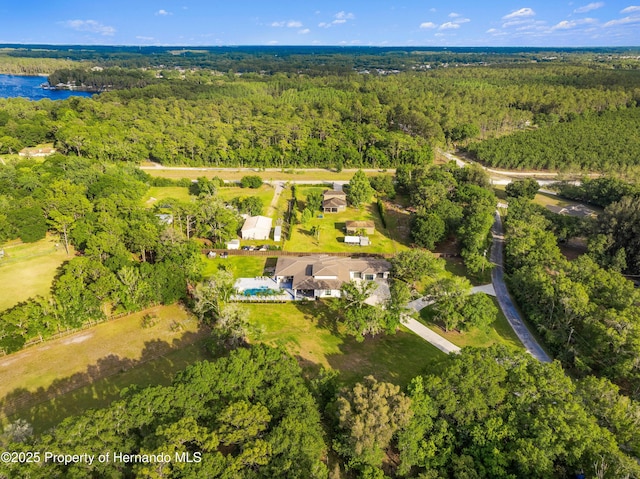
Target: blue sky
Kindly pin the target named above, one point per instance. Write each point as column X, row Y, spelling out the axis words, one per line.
column 330, row 22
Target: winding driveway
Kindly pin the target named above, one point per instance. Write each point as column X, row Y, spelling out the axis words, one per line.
column 504, row 299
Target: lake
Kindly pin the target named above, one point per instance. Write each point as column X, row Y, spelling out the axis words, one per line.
column 12, row 86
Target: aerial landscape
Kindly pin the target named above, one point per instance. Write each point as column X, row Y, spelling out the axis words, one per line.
column 320, row 240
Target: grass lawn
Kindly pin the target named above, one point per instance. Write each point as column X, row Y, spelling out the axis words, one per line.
column 457, row 267
column 241, row 266
column 499, row 332
column 28, row 269
column 332, row 231
column 311, row 174
column 265, row 193
column 99, row 394
column 54, row 367
column 309, row 332
column 159, row 193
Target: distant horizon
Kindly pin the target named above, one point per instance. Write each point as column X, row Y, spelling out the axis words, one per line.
column 401, row 23
column 438, row 47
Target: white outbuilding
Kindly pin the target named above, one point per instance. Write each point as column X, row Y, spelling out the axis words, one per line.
column 256, row 228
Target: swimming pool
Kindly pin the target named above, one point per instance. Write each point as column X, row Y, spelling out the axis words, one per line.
column 261, row 291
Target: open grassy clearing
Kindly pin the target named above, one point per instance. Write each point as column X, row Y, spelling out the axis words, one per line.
column 499, row 332
column 545, row 199
column 311, row 174
column 66, row 363
column 310, row 333
column 240, row 266
column 332, row 231
column 158, row 371
column 265, row 193
column 28, row 269
column 158, row 193
column 457, row 267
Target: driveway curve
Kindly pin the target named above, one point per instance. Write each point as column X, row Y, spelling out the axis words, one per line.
column 504, row 299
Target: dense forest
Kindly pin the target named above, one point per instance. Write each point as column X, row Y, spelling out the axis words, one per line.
column 588, row 315
column 203, row 118
column 129, row 259
column 595, row 142
column 251, row 414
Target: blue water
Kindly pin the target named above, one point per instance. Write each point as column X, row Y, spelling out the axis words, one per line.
column 12, row 86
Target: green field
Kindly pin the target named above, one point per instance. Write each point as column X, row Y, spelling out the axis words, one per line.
column 158, row 193
column 240, row 266
column 37, row 373
column 265, row 193
column 499, row 332
column 28, row 269
column 100, row 393
column 90, row 369
column 332, row 231
column 309, row 332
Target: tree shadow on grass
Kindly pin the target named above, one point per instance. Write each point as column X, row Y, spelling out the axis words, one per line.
column 320, row 312
column 101, row 383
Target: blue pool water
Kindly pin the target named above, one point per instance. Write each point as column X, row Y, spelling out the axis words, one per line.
column 255, row 291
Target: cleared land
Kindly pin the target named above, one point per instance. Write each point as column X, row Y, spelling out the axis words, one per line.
column 310, row 333
column 240, row 266
column 159, row 193
column 332, row 230
column 227, row 193
column 54, row 367
column 306, row 330
column 28, row 269
column 100, row 393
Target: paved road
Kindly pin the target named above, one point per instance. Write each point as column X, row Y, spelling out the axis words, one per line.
column 504, row 299
column 428, row 335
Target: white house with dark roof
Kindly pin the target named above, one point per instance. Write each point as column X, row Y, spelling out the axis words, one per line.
column 256, row 228
column 322, row 276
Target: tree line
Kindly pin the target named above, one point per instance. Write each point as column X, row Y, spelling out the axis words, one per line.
column 285, row 120
column 250, row 413
column 451, row 201
column 594, row 142
column 586, row 314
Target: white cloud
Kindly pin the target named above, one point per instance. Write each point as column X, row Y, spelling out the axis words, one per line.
column 289, row 24
column 563, row 25
column 630, row 9
column 338, row 19
column 344, row 16
column 461, row 20
column 589, row 7
column 566, row 25
column 523, row 12
column 163, row 13
column 449, row 25
column 454, row 15
column 432, row 10
column 272, row 42
column 304, row 32
column 90, row 26
column 145, row 39
column 491, row 30
column 622, row 21
column 428, row 25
